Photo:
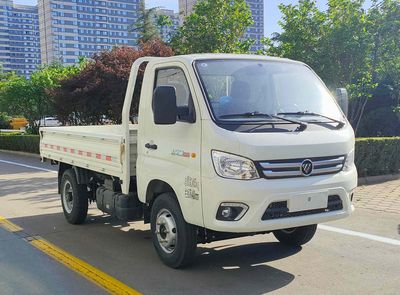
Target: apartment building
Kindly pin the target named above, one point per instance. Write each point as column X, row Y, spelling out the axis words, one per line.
column 70, row 29
column 19, row 38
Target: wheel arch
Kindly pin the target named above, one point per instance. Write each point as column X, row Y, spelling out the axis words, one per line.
column 81, row 174
column 156, row 187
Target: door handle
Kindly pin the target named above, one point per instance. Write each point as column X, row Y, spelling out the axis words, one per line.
column 150, row 146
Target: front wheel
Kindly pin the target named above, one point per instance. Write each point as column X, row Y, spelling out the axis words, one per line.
column 74, row 198
column 174, row 240
column 296, row 236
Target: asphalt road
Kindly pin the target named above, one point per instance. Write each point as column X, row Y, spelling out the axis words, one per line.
column 363, row 259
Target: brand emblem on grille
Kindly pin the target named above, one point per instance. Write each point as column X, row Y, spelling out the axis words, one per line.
column 306, row 167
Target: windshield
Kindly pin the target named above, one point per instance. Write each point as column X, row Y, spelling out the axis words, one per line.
column 237, row 88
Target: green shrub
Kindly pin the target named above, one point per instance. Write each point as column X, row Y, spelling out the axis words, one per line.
column 21, row 143
column 10, row 133
column 377, row 156
column 5, row 121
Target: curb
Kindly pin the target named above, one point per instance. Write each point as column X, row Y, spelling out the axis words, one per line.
column 377, row 179
column 37, row 156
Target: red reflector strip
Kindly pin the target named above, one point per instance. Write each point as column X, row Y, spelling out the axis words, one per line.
column 80, row 152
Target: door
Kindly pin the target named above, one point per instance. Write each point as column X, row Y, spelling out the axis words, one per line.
column 171, row 153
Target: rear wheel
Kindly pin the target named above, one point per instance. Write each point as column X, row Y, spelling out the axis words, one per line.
column 296, row 236
column 174, row 240
column 74, row 198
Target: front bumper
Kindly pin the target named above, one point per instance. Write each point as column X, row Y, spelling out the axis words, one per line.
column 258, row 194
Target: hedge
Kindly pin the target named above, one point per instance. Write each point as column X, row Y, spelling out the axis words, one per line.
column 21, row 143
column 377, row 156
column 374, row 156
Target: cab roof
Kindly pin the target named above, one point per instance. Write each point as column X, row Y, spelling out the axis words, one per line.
column 206, row 56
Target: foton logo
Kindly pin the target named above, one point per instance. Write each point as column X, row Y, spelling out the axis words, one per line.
column 306, row 167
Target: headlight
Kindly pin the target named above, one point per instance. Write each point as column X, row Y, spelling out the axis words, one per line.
column 232, row 166
column 349, row 161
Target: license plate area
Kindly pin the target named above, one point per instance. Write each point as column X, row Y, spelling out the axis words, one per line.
column 308, row 201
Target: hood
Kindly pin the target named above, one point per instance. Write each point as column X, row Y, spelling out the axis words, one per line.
column 292, row 145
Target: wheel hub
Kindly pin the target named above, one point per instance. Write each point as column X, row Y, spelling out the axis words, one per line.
column 166, row 231
column 68, row 196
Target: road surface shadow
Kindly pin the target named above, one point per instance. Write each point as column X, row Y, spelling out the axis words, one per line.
column 26, row 186
column 125, row 251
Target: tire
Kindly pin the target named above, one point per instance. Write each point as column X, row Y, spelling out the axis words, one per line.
column 296, row 236
column 74, row 198
column 168, row 225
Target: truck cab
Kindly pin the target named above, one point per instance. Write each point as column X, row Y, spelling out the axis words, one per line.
column 226, row 145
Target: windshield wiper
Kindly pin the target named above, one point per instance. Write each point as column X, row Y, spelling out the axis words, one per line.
column 303, row 126
column 340, row 123
column 246, row 115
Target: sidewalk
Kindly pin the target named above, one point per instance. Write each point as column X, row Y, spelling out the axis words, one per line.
column 382, row 196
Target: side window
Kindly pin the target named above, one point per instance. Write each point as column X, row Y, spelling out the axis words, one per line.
column 176, row 77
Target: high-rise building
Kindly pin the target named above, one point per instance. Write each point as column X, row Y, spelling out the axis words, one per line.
column 167, row 31
column 71, row 29
column 19, row 38
column 185, row 8
column 256, row 31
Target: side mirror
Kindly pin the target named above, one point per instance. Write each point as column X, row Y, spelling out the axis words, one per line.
column 342, row 98
column 164, row 105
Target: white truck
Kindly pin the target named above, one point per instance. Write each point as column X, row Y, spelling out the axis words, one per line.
column 225, row 146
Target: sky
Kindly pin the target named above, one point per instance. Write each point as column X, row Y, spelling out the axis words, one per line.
column 271, row 11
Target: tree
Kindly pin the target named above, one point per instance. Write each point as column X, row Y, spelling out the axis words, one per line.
column 165, row 25
column 97, row 93
column 214, row 26
column 5, row 121
column 20, row 96
column 384, row 25
column 382, row 116
column 150, row 23
column 336, row 43
column 145, row 25
column 302, row 27
column 163, row 20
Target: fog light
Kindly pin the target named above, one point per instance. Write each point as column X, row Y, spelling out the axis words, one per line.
column 231, row 211
column 226, row 212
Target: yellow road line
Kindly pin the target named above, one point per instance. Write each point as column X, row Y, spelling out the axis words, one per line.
column 97, row 276
column 88, row 271
column 8, row 225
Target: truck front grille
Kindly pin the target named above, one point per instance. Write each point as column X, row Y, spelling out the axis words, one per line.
column 293, row 167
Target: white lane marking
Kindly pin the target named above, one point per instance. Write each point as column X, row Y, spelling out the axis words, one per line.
column 50, row 183
column 28, row 166
column 360, row 234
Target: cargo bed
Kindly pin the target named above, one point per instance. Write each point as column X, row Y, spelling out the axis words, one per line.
column 97, row 148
